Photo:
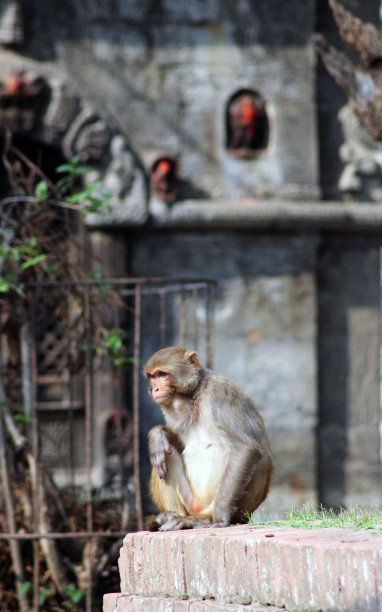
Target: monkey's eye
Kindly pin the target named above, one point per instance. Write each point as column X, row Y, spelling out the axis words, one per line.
column 162, row 374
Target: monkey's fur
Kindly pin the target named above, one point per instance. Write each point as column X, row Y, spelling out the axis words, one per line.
column 211, row 461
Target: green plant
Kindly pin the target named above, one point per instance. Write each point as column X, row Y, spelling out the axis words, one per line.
column 309, row 517
column 75, row 594
column 25, row 235
column 22, row 417
column 38, row 222
column 112, row 346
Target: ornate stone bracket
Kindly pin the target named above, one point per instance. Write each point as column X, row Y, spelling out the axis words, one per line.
column 362, row 155
column 48, row 113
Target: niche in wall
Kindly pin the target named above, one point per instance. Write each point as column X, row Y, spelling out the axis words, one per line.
column 247, row 127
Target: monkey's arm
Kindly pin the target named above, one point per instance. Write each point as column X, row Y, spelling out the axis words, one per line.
column 244, row 484
column 239, row 475
column 161, row 442
column 169, row 486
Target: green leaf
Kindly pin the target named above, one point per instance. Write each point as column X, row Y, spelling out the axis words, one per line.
column 72, row 168
column 64, row 168
column 15, row 253
column 22, row 417
column 25, row 588
column 43, row 595
column 41, row 191
column 114, row 341
column 33, row 261
column 75, row 594
column 77, row 198
column 5, row 283
column 54, row 268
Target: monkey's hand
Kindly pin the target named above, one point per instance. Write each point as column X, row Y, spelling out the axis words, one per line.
column 159, row 449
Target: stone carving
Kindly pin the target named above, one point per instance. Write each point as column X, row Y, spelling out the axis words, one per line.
column 362, row 156
column 56, row 117
column 11, row 23
column 361, row 118
column 361, row 81
column 124, row 177
column 88, row 135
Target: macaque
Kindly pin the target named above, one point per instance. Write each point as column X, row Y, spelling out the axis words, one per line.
column 211, row 461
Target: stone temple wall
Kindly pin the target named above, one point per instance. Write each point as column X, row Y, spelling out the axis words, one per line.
column 165, row 72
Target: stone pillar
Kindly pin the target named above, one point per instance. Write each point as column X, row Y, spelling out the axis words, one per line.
column 349, row 323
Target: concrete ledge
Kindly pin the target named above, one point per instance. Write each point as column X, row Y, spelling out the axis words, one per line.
column 323, row 569
column 261, row 214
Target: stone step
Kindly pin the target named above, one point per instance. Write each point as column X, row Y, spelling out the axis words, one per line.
column 312, row 570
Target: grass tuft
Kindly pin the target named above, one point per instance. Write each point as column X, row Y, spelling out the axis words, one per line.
column 309, row 517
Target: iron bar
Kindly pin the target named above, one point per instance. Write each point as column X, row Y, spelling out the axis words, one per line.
column 69, row 535
column 171, row 288
column 10, row 513
column 183, row 311
column 70, row 409
column 162, row 318
column 117, row 325
column 210, row 305
column 136, row 368
column 88, row 433
column 195, row 300
column 35, row 453
column 135, row 282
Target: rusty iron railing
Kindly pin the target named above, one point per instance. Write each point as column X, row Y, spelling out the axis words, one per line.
column 65, row 319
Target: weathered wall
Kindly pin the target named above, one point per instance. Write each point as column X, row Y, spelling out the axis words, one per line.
column 349, row 307
column 165, row 71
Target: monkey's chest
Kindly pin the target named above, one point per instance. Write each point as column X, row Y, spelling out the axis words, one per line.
column 205, row 457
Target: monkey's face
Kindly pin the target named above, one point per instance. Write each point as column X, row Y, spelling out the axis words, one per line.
column 161, row 385
column 171, row 371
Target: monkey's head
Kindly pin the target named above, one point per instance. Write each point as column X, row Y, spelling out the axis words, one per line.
column 172, row 370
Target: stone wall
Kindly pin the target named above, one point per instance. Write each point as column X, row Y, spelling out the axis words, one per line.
column 164, row 73
column 349, row 307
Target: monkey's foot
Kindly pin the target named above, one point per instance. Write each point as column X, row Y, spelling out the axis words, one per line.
column 156, row 522
column 219, row 524
column 184, row 522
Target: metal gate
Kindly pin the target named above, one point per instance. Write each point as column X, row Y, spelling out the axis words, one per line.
column 74, row 392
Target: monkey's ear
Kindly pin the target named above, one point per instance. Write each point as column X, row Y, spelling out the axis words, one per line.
column 194, row 359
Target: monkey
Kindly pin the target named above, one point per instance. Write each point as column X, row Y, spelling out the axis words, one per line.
column 211, row 460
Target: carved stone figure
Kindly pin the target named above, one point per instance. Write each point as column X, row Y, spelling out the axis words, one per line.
column 362, row 156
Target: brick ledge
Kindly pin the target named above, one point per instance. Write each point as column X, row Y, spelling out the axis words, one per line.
column 116, row 602
column 320, row 569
